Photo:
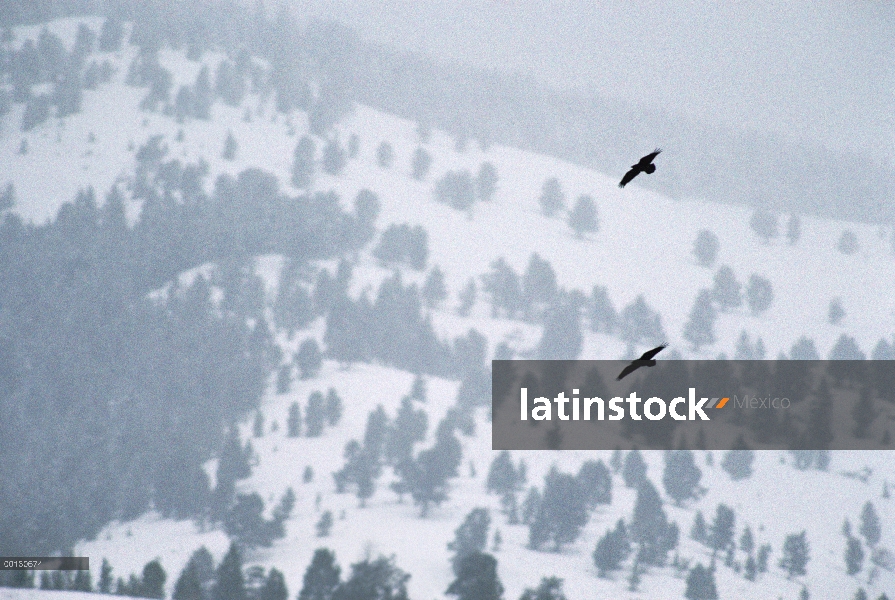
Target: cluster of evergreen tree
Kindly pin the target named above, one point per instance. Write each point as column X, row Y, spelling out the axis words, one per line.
column 246, row 525
column 490, row 106
column 459, row 189
column 162, row 374
column 403, row 244
column 392, row 329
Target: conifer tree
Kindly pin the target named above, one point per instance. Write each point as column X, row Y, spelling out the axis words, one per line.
column 486, row 181
column 583, row 217
column 595, row 482
column 723, row 527
column 153, row 582
column 422, row 160
column 434, row 289
column 293, row 423
column 870, row 525
column 795, row 554
column 476, row 579
column 550, row 588
column 681, row 476
column 699, row 329
column 854, row 556
column 322, row 576
column 727, row 290
column 471, row 536
column 188, row 586
column 634, row 469
column 552, row 199
column 380, row 579
column 333, row 407
column 334, row 159
column 385, row 155
column 705, row 248
column 303, row 163
column 315, row 415
column 701, row 584
column 612, row 549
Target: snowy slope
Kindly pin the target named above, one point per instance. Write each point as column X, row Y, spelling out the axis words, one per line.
column 643, row 246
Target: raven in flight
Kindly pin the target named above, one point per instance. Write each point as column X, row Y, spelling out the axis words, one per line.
column 644, row 166
column 646, row 360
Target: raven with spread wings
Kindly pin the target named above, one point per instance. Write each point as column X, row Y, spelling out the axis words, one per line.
column 646, row 360
column 644, row 166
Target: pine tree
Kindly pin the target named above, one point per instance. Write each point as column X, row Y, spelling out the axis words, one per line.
column 258, row 425
column 552, row 199
column 8, row 197
column 188, row 586
column 681, row 476
column 836, row 313
column 531, row 505
column 333, row 407
column 759, row 294
column 848, row 243
column 105, row 578
column 561, row 514
column 603, row 317
column 274, row 587
column 747, row 542
column 723, row 527
column 699, row 329
column 726, row 291
column 738, row 463
column 612, row 549
column 699, row 532
column 501, row 475
column 763, row 553
column 153, row 583
column 583, row 217
column 325, row 523
column 870, row 525
column 322, row 576
column 409, row 428
column 308, row 359
column 486, row 181
column 422, row 160
column 379, row 579
column 334, row 159
column 315, row 415
column 385, row 155
column 476, row 579
column 293, row 423
column 854, row 556
column 595, row 482
column 470, row 537
column 860, row 594
column 550, row 588
column 303, row 163
column 434, row 289
column 634, row 469
column 795, row 554
column 764, row 224
column 230, row 147
column 467, row 298
column 751, row 569
column 701, row 584
column 705, row 248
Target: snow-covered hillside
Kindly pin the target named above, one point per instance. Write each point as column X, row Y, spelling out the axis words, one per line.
column 643, row 246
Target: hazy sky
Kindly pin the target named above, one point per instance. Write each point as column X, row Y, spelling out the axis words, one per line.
column 820, row 71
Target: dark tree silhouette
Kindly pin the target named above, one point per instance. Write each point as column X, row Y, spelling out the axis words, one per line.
column 706, row 247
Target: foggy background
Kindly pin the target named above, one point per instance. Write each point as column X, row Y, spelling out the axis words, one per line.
column 819, row 72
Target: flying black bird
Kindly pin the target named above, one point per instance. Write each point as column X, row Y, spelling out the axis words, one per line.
column 646, row 360
column 644, row 166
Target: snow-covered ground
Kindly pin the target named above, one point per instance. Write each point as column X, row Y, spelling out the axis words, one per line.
column 644, row 246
